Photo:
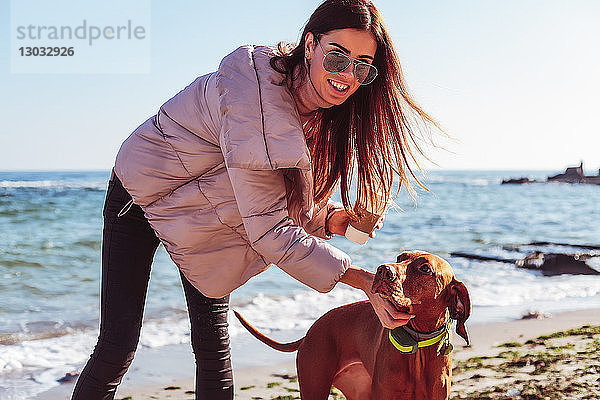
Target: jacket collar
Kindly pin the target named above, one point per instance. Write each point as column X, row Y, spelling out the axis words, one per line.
column 259, row 113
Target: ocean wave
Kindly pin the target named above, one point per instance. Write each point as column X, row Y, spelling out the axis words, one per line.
column 92, row 244
column 522, row 287
column 20, row 337
column 70, row 346
column 435, row 179
column 52, row 184
column 19, row 262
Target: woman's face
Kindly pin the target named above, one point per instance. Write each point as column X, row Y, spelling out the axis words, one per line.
column 333, row 88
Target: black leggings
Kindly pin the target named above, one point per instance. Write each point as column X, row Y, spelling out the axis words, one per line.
column 128, row 247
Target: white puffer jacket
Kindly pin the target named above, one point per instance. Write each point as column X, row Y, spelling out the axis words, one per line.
column 213, row 171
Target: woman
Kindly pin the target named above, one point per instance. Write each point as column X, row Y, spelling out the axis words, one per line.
column 234, row 173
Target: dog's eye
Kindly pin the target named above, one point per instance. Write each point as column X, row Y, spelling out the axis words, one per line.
column 425, row 268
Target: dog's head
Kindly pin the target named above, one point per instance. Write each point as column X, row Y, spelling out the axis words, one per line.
column 423, row 284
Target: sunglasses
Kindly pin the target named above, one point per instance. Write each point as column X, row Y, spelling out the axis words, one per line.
column 336, row 61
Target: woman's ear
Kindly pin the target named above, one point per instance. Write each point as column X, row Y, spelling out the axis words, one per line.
column 459, row 305
column 309, row 46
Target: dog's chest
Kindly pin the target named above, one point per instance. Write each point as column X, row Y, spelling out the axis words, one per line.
column 422, row 375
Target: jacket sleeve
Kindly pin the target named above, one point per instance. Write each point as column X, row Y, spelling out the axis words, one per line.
column 260, row 138
column 316, row 225
column 261, row 199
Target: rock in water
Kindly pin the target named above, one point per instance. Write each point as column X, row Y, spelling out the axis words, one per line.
column 69, row 377
column 556, row 264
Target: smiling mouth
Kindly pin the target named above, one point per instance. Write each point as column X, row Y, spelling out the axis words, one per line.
column 338, row 87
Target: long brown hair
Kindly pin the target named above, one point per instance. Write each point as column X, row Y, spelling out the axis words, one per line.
column 376, row 125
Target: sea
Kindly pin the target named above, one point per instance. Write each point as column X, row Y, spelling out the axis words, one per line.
column 50, row 242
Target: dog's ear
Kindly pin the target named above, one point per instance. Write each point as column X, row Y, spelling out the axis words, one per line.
column 459, row 304
column 402, row 257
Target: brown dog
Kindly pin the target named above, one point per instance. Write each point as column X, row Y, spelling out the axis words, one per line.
column 348, row 347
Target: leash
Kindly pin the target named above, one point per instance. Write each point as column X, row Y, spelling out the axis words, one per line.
column 406, row 340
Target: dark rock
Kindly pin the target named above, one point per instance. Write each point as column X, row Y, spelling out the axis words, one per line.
column 571, row 175
column 579, row 246
column 69, row 377
column 481, row 258
column 556, row 264
column 517, row 181
column 535, row 315
column 575, row 175
column 549, row 264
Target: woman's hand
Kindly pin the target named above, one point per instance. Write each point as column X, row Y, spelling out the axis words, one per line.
column 338, row 222
column 384, row 309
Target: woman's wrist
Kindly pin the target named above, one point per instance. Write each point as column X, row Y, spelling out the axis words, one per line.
column 332, row 208
column 358, row 278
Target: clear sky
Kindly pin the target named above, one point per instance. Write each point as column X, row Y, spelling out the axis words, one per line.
column 515, row 82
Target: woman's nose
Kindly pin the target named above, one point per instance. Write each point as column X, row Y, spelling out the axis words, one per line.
column 348, row 73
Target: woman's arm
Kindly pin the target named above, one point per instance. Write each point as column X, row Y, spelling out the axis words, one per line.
column 386, row 312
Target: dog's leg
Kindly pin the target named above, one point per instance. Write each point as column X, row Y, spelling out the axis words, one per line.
column 354, row 381
column 316, row 368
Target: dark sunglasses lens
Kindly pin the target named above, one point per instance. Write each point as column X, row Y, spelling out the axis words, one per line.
column 365, row 73
column 335, row 62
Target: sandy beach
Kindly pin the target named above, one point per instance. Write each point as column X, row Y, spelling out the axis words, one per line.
column 554, row 357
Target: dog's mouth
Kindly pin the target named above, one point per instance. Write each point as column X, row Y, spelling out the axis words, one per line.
column 393, row 294
column 401, row 303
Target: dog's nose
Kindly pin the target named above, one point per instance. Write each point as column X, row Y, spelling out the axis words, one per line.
column 387, row 273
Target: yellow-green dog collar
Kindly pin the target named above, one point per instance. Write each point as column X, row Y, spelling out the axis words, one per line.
column 404, row 341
